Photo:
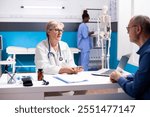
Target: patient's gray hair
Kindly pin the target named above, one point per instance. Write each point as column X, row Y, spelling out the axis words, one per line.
column 143, row 21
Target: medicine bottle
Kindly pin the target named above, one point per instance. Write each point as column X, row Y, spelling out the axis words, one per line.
column 40, row 74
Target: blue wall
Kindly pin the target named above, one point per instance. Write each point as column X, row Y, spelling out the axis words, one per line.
column 31, row 39
column 113, row 51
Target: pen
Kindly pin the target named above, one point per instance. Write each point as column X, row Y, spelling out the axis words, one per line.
column 68, row 81
column 61, row 79
column 78, row 81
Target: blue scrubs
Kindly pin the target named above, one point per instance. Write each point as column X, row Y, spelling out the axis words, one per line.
column 84, row 43
column 138, row 85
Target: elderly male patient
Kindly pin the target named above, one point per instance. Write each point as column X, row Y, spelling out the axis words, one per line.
column 138, row 84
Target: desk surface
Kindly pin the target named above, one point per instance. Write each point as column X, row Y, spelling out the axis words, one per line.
column 10, row 91
column 77, row 80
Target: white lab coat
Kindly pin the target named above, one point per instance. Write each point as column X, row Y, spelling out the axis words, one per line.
column 52, row 65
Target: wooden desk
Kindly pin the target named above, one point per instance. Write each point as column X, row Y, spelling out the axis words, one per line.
column 37, row 91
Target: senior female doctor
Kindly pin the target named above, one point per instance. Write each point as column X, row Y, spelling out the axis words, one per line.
column 53, row 55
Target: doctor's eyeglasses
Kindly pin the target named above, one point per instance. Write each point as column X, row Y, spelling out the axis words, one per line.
column 58, row 30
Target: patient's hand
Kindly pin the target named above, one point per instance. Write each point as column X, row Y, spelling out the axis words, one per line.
column 114, row 76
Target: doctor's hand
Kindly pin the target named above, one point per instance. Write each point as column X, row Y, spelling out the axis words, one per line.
column 114, row 76
column 68, row 70
column 78, row 69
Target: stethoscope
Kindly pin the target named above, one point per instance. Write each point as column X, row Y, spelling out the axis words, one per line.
column 51, row 53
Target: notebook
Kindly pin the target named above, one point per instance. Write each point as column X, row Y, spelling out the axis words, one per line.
column 123, row 61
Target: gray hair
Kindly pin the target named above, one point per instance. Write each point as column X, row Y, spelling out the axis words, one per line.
column 143, row 21
column 52, row 24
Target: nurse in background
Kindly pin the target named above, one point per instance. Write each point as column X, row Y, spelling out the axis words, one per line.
column 53, row 55
column 84, row 41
